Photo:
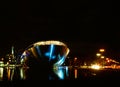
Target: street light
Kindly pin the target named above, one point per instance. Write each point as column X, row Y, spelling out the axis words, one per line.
column 102, row 50
column 102, row 57
column 98, row 54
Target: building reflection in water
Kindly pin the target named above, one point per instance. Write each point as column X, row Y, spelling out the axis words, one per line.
column 61, row 72
column 1, row 73
column 20, row 73
column 12, row 73
column 23, row 73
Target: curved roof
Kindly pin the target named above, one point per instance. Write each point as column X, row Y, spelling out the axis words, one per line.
column 49, row 42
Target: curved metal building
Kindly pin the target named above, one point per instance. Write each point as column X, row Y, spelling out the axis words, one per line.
column 45, row 53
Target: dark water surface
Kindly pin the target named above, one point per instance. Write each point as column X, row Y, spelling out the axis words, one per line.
column 59, row 73
column 62, row 74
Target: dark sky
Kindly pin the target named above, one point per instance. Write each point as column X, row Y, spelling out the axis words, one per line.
column 82, row 24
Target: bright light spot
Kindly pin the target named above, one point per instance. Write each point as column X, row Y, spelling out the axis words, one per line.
column 75, row 58
column 102, row 50
column 102, row 57
column 108, row 60
column 1, row 72
column 98, row 54
column 59, row 72
column 95, row 67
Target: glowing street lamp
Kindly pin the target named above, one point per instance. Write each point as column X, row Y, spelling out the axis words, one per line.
column 98, row 54
column 102, row 50
column 102, row 57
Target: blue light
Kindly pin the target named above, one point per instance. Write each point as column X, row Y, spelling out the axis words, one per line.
column 37, row 47
column 61, row 61
column 50, row 53
column 60, row 73
column 51, row 50
column 67, row 74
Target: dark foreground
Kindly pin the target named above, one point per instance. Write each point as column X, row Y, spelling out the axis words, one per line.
column 59, row 76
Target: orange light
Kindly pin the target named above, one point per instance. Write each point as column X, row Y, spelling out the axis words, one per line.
column 95, row 67
column 102, row 50
column 102, row 57
column 98, row 54
column 108, row 61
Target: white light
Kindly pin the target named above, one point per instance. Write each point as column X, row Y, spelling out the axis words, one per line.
column 95, row 67
column 49, row 42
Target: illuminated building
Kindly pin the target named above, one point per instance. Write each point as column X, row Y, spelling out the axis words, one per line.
column 45, row 53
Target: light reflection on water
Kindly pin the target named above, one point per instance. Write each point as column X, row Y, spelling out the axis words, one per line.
column 11, row 73
column 75, row 71
column 59, row 73
column 21, row 73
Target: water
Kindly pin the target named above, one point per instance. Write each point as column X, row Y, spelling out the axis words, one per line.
column 59, row 73
column 61, row 76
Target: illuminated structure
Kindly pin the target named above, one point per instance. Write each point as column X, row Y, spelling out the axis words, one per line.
column 45, row 53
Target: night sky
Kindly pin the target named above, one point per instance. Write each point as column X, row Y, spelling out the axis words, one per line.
column 83, row 25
